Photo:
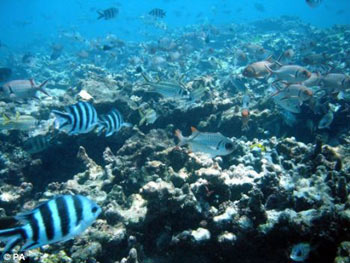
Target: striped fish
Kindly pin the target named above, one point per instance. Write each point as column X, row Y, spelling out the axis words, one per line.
column 111, row 123
column 157, row 12
column 37, row 144
column 108, row 13
column 56, row 220
column 78, row 118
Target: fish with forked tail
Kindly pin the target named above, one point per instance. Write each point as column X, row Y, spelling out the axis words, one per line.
column 213, row 144
column 21, row 89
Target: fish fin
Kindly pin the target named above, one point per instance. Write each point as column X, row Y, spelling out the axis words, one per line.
column 17, row 115
column 126, row 124
column 143, row 118
column 100, row 15
column 145, row 77
column 142, row 121
column 41, row 86
column 269, row 58
column 6, row 118
column 182, row 140
column 12, row 241
column 194, row 130
column 61, row 118
column 269, row 69
column 280, row 57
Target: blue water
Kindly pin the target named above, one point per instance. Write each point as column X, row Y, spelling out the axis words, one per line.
column 28, row 24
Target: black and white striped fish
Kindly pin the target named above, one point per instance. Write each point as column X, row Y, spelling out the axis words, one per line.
column 78, row 118
column 56, row 220
column 157, row 12
column 38, row 143
column 108, row 13
column 111, row 123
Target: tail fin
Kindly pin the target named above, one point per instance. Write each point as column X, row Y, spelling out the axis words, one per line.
column 100, row 15
column 41, row 86
column 145, row 77
column 126, row 124
column 101, row 126
column 13, row 236
column 62, row 118
column 182, row 139
column 6, row 118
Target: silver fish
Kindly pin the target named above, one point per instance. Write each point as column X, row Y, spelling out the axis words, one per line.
column 213, row 144
column 335, row 82
column 167, row 89
column 21, row 89
column 290, row 73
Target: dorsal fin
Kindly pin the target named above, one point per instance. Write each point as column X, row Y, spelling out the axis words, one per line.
column 194, row 130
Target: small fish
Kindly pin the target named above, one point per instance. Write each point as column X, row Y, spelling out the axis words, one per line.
column 198, row 93
column 57, row 220
column 335, row 82
column 316, row 59
column 297, row 91
column 157, row 12
column 292, row 104
column 313, row 3
column 107, row 47
column 258, row 145
column 111, row 123
column 77, row 119
column 167, row 89
column 259, row 7
column 19, row 122
column 290, row 73
column 300, row 252
column 108, row 13
column 327, row 119
column 5, row 74
column 258, row 69
column 37, row 144
column 149, row 116
column 21, row 89
column 213, row 144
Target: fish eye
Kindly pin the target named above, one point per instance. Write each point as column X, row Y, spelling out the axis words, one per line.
column 94, row 209
column 228, row 146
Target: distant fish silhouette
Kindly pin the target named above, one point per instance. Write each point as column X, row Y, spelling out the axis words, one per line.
column 157, row 12
column 259, row 7
column 313, row 3
column 108, row 13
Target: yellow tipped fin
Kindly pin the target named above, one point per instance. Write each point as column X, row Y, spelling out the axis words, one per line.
column 6, row 118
